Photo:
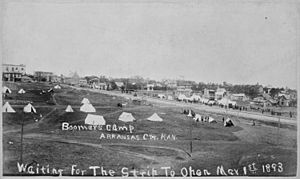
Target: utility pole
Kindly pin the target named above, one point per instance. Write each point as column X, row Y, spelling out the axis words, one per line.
column 191, row 136
column 278, row 130
column 21, row 150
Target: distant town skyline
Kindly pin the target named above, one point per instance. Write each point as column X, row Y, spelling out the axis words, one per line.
column 203, row 41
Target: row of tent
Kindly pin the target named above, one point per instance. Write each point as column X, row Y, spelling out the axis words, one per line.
column 126, row 117
column 6, row 90
column 92, row 119
column 197, row 117
column 27, row 109
column 194, row 97
column 162, row 96
column 86, row 107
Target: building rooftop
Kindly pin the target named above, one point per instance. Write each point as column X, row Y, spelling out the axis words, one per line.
column 13, row 65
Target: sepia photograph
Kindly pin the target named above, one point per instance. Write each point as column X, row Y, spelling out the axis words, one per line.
column 150, row 88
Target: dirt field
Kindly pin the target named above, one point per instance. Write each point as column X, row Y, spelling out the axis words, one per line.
column 199, row 145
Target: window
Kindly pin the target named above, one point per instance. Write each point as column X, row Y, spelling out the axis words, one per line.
column 12, row 69
column 22, row 69
column 16, row 68
column 6, row 68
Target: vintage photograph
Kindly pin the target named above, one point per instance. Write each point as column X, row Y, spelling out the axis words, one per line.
column 149, row 88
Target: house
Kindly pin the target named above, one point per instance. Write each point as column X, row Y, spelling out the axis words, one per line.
column 267, row 89
column 92, row 79
column 103, row 86
column 150, row 87
column 292, row 94
column 170, row 84
column 183, row 90
column 209, row 94
column 268, row 98
column 265, row 100
column 157, row 84
column 83, row 82
column 239, row 97
column 184, row 87
column 56, row 79
column 220, row 93
column 120, row 85
column 283, row 100
column 259, row 99
column 43, row 75
column 12, row 72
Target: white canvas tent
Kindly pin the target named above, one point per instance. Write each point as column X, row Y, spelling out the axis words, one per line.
column 161, row 96
column 212, row 120
column 21, row 91
column 57, row 87
column 87, row 108
column 197, row 117
column 204, row 100
column 211, row 102
column 155, row 117
column 126, row 97
column 190, row 114
column 85, row 101
column 195, row 97
column 226, row 102
column 170, row 97
column 6, row 90
column 190, row 99
column 92, row 119
column 228, row 122
column 233, row 103
column 7, row 108
column 69, row 109
column 126, row 117
column 29, row 108
column 181, row 97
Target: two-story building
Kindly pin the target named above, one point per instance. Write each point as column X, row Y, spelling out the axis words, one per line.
column 184, row 87
column 283, row 100
column 43, row 75
column 239, row 97
column 209, row 94
column 220, row 93
column 12, row 72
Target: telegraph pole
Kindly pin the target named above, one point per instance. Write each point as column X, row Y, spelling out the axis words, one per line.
column 278, row 130
column 21, row 150
column 191, row 137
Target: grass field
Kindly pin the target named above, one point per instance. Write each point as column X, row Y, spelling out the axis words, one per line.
column 212, row 144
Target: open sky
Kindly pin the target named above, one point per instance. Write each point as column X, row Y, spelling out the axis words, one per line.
column 210, row 41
